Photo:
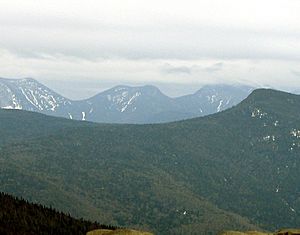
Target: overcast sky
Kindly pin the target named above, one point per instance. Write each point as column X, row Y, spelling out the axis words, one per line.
column 81, row 47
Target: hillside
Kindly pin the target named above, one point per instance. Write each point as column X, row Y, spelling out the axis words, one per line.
column 233, row 170
column 117, row 232
column 245, row 233
column 120, row 104
column 279, row 232
column 24, row 218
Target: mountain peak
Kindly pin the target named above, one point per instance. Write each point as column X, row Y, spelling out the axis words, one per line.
column 148, row 90
column 152, row 90
column 272, row 101
column 145, row 87
column 267, row 93
column 224, row 88
column 29, row 94
column 15, row 80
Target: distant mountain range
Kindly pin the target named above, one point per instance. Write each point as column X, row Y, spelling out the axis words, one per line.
column 233, row 170
column 121, row 104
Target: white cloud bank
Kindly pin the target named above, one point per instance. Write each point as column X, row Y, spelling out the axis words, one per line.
column 139, row 41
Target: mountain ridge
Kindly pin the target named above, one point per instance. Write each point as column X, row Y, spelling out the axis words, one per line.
column 120, row 104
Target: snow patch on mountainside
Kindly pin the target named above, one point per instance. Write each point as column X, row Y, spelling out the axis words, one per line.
column 122, row 104
column 83, row 116
column 130, row 101
column 219, row 106
column 258, row 113
column 30, row 95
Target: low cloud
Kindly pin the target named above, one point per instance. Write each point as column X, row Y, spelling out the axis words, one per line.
column 296, row 73
column 169, row 69
column 214, row 68
column 147, row 42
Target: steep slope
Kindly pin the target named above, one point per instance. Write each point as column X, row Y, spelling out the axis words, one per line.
column 213, row 98
column 221, row 172
column 124, row 104
column 121, row 104
column 21, row 217
column 28, row 94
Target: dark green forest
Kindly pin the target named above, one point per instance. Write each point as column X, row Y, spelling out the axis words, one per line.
column 235, row 170
column 18, row 216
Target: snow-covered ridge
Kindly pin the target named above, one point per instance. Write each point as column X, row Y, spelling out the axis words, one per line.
column 121, row 104
column 29, row 95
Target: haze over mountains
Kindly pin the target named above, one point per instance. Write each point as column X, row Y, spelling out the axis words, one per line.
column 236, row 169
column 121, row 104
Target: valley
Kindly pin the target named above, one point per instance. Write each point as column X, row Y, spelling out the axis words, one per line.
column 234, row 170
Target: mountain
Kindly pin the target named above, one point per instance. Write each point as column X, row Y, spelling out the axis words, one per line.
column 234, row 170
column 124, row 104
column 214, row 98
column 121, row 104
column 28, row 94
column 208, row 100
column 18, row 216
column 147, row 104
